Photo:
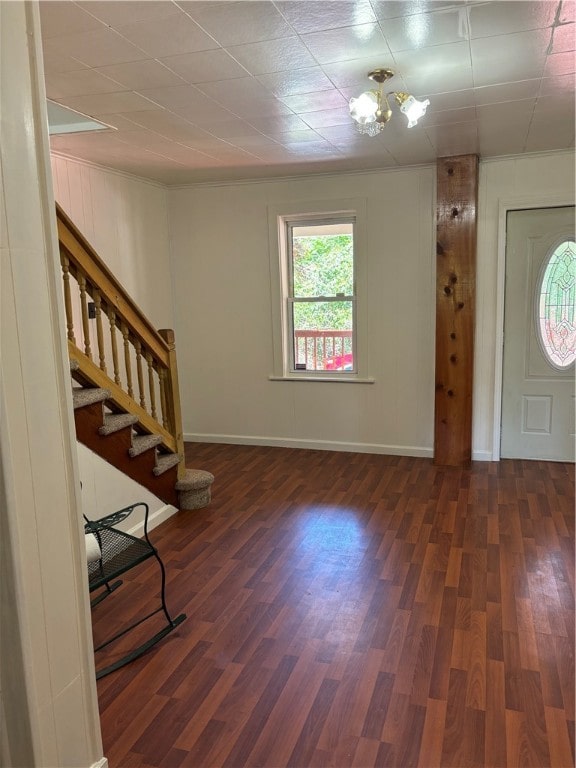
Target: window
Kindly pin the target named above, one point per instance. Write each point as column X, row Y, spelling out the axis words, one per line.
column 321, row 295
column 556, row 306
column 319, row 291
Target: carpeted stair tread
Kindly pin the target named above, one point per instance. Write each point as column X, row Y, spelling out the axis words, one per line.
column 74, row 364
column 115, row 421
column 83, row 396
column 164, row 462
column 194, row 479
column 194, row 489
column 141, row 443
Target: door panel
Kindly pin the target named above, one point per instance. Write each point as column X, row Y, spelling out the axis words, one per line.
column 537, row 397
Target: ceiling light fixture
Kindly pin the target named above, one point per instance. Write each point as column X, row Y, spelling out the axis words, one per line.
column 371, row 110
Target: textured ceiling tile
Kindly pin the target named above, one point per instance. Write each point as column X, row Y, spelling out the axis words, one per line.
column 354, row 72
column 461, row 139
column 390, row 9
column 506, row 58
column 205, row 66
column 273, row 55
column 231, row 129
column 436, row 70
column 275, row 126
column 175, row 96
column 328, row 14
column 141, row 74
column 240, row 22
column 314, row 102
column 327, row 117
column 95, row 49
column 422, row 30
column 522, row 92
column 296, row 81
column 168, row 36
column 559, row 84
column 560, row 64
column 82, row 82
column 65, row 18
column 122, row 12
column 564, row 38
column 354, row 42
column 507, row 16
column 449, row 116
column 109, row 103
column 55, row 62
column 494, row 94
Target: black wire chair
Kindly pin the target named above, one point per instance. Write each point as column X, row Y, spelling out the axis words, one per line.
column 120, row 552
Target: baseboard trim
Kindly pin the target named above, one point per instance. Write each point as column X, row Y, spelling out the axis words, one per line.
column 482, row 456
column 102, row 763
column 315, row 445
column 154, row 520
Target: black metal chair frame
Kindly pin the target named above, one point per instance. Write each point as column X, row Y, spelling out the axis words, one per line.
column 121, row 552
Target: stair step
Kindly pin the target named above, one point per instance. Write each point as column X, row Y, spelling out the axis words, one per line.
column 116, row 421
column 194, row 490
column 141, row 443
column 164, row 462
column 82, row 396
column 194, row 479
column 74, row 364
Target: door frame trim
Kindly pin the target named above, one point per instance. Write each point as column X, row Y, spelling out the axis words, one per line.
column 505, row 204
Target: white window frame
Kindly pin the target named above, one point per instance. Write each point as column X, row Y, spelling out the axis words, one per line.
column 279, row 217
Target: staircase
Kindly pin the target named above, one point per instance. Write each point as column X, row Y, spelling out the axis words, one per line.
column 126, row 403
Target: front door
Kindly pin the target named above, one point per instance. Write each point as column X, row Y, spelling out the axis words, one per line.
column 539, row 336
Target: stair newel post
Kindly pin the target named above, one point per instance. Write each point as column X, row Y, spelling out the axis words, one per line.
column 173, row 396
column 65, row 262
column 84, row 310
column 99, row 329
column 140, row 373
column 127, row 361
column 112, row 319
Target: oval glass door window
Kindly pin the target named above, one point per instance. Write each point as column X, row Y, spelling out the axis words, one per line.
column 557, row 306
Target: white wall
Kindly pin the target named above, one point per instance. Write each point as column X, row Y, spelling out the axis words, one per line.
column 105, row 489
column 125, row 220
column 49, row 707
column 545, row 179
column 222, row 295
column 223, row 314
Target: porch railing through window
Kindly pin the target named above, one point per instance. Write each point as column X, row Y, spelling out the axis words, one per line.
column 329, row 350
column 115, row 345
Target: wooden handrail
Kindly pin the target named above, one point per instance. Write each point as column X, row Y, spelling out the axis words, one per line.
column 81, row 254
column 144, row 357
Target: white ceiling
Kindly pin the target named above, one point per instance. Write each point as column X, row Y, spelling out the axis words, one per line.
column 209, row 91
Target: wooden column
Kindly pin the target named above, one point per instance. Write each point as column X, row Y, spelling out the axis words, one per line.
column 457, row 200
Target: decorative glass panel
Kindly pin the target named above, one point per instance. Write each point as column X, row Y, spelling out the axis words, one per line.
column 557, row 306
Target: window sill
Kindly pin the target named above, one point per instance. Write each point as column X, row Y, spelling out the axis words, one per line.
column 324, row 379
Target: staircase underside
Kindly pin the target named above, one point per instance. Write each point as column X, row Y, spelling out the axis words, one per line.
column 138, row 455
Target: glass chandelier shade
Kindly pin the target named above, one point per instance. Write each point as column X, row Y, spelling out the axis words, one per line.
column 411, row 107
column 371, row 110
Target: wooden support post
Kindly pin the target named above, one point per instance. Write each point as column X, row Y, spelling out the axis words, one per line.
column 174, row 412
column 457, row 200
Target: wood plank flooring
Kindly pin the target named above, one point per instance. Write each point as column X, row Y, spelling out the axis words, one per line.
column 354, row 610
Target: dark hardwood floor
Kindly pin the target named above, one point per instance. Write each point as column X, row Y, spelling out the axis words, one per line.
column 354, row 610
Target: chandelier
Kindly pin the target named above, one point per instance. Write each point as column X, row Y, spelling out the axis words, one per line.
column 371, row 110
